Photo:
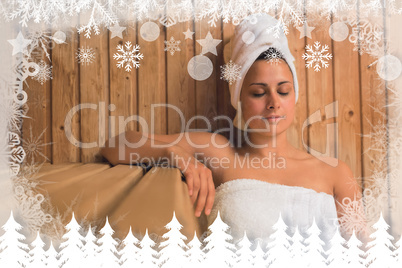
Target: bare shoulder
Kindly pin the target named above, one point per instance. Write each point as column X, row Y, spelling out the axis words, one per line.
column 344, row 182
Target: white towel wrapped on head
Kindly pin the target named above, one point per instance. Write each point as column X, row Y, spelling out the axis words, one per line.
column 243, row 51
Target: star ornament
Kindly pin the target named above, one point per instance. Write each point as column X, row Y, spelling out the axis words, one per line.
column 117, row 31
column 188, row 34
column 305, row 30
column 209, row 44
column 19, row 44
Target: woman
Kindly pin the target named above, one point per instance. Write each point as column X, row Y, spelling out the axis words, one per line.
column 266, row 175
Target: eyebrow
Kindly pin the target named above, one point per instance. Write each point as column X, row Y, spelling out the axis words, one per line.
column 265, row 85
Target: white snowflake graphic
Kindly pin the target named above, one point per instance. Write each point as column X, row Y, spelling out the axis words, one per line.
column 44, row 74
column 273, row 55
column 30, row 206
column 316, row 56
column 230, row 72
column 12, row 152
column 13, row 114
column 172, row 46
column 34, row 146
column 100, row 15
column 129, row 54
column 353, row 217
column 366, row 36
column 85, row 55
column 40, row 40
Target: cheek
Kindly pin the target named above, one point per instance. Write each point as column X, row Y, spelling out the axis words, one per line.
column 252, row 107
column 290, row 110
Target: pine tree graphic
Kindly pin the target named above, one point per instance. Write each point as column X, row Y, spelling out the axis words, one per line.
column 37, row 253
column 71, row 254
column 278, row 254
column 129, row 253
column 194, row 254
column 337, row 251
column 147, row 254
column 219, row 251
column 297, row 249
column 107, row 247
column 173, row 252
column 380, row 249
column 13, row 252
column 51, row 255
column 314, row 246
column 258, row 255
column 398, row 253
column 354, row 254
column 91, row 251
column 244, row 253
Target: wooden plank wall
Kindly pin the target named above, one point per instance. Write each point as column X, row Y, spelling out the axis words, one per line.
column 163, row 78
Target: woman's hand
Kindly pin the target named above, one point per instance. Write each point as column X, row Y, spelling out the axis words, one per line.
column 198, row 177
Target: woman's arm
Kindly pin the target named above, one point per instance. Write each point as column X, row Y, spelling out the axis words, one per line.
column 179, row 150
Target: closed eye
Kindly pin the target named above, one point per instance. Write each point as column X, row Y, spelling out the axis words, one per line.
column 258, row 94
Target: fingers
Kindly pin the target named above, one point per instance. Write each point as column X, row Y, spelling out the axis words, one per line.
column 201, row 187
column 190, row 182
column 196, row 186
column 211, row 196
column 202, row 195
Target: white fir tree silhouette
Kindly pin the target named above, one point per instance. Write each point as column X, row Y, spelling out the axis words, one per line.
column 258, row 257
column 173, row 250
column 398, row 253
column 147, row 255
column 297, row 249
column 336, row 254
column 129, row 253
column 354, row 255
column 37, row 253
column 107, row 247
column 91, row 250
column 71, row 254
column 195, row 255
column 13, row 252
column 278, row 254
column 51, row 255
column 244, row 253
column 314, row 247
column 380, row 249
column 219, row 251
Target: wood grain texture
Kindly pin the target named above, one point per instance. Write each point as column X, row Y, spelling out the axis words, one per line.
column 152, row 81
column 320, row 93
column 347, row 93
column 373, row 114
column 224, row 106
column 123, row 86
column 180, row 85
column 294, row 133
column 65, row 95
column 94, row 90
column 206, row 90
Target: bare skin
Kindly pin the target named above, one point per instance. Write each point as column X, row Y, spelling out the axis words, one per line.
column 267, row 90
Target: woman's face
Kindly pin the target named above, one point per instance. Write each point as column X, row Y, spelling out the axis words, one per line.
column 268, row 91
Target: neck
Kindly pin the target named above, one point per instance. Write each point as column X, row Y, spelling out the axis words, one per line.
column 263, row 145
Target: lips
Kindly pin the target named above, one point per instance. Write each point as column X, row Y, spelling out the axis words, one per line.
column 274, row 117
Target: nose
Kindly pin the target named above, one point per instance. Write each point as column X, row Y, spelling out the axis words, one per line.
column 273, row 102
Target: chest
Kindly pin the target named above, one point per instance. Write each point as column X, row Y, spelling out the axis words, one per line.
column 302, row 173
